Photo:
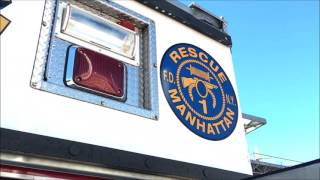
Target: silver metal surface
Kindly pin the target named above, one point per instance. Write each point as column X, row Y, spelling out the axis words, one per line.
column 49, row 68
column 252, row 123
column 65, row 166
column 91, row 40
column 205, row 15
column 43, row 44
column 12, row 175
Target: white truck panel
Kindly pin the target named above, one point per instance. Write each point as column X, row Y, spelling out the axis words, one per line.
column 26, row 109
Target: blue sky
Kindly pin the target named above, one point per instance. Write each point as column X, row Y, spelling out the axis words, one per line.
column 276, row 59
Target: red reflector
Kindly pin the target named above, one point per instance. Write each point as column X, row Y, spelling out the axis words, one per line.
column 98, row 73
column 127, row 24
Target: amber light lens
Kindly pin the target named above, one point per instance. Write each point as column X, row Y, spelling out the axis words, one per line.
column 98, row 73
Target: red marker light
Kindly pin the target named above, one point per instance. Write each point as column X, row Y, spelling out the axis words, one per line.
column 127, row 24
column 98, row 73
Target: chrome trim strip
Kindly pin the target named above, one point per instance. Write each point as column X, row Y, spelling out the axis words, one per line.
column 65, row 18
column 83, row 168
column 63, row 15
column 16, row 175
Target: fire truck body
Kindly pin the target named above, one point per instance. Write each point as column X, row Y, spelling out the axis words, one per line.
column 36, row 97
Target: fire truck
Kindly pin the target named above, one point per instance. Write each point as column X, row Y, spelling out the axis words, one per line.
column 118, row 89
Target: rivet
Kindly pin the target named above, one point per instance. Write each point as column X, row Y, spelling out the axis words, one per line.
column 34, row 84
column 147, row 163
column 74, row 150
column 205, row 173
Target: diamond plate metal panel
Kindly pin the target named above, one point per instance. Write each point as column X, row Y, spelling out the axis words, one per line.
column 43, row 44
column 49, row 67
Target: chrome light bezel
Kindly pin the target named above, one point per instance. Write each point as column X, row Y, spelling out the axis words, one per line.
column 62, row 31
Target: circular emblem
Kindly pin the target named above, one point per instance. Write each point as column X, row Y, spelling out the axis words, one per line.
column 199, row 92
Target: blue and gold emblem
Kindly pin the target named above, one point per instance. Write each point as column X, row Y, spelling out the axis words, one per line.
column 199, row 92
